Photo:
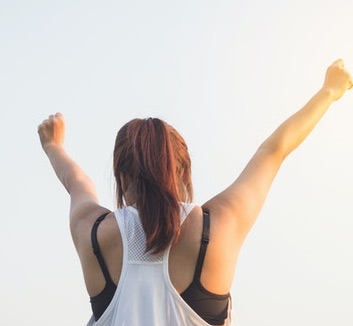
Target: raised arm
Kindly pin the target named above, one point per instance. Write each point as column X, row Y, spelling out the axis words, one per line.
column 242, row 201
column 80, row 187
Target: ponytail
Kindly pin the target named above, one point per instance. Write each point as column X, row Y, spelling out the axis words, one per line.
column 155, row 161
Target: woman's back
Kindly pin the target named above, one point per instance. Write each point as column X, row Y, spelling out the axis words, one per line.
column 182, row 262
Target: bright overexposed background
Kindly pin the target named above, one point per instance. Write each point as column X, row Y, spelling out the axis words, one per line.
column 225, row 74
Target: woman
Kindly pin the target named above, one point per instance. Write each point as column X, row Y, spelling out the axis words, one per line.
column 159, row 259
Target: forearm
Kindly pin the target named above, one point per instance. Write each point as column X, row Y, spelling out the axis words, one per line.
column 66, row 169
column 292, row 132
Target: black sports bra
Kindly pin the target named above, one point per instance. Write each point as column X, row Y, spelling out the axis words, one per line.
column 213, row 308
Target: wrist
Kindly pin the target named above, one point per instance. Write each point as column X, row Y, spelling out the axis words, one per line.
column 51, row 146
column 327, row 93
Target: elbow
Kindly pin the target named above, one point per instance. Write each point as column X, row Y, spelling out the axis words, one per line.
column 74, row 179
column 274, row 148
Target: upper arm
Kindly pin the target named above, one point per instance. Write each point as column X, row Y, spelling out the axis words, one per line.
column 84, row 207
column 242, row 201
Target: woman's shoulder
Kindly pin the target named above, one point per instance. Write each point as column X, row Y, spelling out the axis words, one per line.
column 81, row 234
column 222, row 249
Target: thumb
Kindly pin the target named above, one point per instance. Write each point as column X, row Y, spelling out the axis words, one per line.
column 339, row 62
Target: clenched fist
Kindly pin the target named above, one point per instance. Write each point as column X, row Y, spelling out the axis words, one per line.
column 52, row 131
column 337, row 80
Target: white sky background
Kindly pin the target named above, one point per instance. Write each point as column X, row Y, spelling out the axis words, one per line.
column 223, row 73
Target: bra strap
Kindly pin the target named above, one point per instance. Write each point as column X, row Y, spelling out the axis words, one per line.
column 204, row 242
column 96, row 249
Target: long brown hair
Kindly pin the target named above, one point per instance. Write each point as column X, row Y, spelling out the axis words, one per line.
column 154, row 159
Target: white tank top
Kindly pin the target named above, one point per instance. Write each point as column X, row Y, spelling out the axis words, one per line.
column 145, row 295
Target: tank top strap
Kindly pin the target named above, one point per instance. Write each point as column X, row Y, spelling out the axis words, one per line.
column 185, row 209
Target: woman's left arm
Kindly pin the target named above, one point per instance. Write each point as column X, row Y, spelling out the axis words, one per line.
column 82, row 191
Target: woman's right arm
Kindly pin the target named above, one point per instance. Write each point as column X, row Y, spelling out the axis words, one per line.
column 242, row 201
column 84, row 205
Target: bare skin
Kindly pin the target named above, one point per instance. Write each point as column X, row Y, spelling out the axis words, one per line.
column 233, row 211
